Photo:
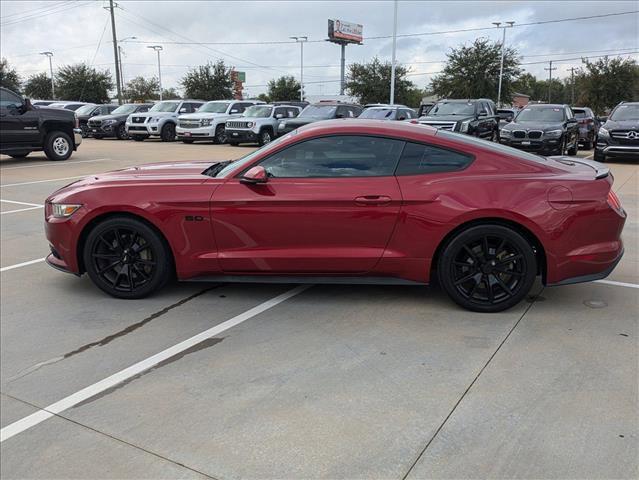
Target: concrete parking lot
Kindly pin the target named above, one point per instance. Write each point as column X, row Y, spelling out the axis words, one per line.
column 318, row 382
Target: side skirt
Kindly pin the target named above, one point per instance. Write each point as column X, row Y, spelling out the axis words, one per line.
column 304, row 280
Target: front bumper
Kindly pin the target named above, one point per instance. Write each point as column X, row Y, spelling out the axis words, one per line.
column 617, row 150
column 143, row 129
column 547, row 145
column 77, row 137
column 195, row 132
column 241, row 136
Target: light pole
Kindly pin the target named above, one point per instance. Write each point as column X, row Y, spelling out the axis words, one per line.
column 503, row 51
column 392, row 85
column 50, row 56
column 122, row 40
column 301, row 41
column 158, row 48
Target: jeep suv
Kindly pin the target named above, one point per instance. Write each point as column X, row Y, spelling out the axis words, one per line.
column 25, row 129
column 160, row 120
column 210, row 120
column 472, row 117
column 114, row 123
column 320, row 111
column 619, row 136
column 258, row 124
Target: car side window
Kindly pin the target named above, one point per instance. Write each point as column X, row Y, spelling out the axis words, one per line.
column 336, row 156
column 419, row 159
column 293, row 112
column 280, row 111
column 9, row 100
column 145, row 108
column 341, row 112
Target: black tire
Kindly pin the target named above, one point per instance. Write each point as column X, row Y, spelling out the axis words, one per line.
column 126, row 258
column 168, row 132
column 187, row 140
column 266, row 137
column 487, row 268
column 220, row 135
column 58, row 146
column 19, row 154
column 572, row 151
column 139, row 138
column 120, row 132
column 85, row 131
column 561, row 150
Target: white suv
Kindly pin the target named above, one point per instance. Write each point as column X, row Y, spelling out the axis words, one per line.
column 160, row 120
column 208, row 123
column 259, row 124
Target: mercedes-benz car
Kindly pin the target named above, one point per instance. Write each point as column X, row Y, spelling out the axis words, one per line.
column 361, row 201
column 619, row 135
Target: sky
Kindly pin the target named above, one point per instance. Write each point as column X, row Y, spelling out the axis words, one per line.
column 239, row 32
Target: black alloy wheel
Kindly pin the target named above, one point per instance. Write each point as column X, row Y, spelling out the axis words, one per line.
column 168, row 132
column 126, row 258
column 120, row 132
column 220, row 135
column 488, row 268
column 265, row 137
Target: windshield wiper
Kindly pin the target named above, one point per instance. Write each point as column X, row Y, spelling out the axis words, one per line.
column 216, row 168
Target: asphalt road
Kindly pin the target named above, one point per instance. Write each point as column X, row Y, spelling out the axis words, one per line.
column 289, row 382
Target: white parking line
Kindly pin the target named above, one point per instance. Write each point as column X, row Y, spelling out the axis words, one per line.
column 20, row 203
column 137, row 368
column 44, row 181
column 21, row 210
column 54, row 164
column 618, row 284
column 23, row 264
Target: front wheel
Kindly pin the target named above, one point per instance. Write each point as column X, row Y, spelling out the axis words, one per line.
column 58, row 146
column 126, row 258
column 265, row 137
column 487, row 268
column 120, row 132
column 220, row 135
column 168, row 133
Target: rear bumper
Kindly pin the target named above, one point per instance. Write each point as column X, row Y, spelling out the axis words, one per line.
column 591, row 277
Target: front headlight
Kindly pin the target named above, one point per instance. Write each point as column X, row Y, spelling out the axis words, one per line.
column 154, row 119
column 603, row 132
column 206, row 122
column 504, row 133
column 249, row 124
column 554, row 133
column 109, row 122
column 63, row 210
column 464, row 126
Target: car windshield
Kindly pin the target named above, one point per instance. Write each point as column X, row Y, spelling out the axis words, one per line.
column 625, row 112
column 377, row 113
column 541, row 114
column 124, row 109
column 452, row 108
column 258, row 111
column 319, row 111
column 73, row 106
column 85, row 109
column 165, row 107
column 214, row 107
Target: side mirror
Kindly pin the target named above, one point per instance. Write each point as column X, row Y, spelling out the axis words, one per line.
column 234, row 110
column 339, row 115
column 279, row 115
column 482, row 113
column 182, row 110
column 509, row 119
column 602, row 119
column 254, row 176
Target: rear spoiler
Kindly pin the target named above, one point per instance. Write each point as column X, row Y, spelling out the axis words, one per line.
column 601, row 170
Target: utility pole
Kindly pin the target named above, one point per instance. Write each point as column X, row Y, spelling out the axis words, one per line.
column 122, row 40
column 158, row 49
column 50, row 56
column 503, row 51
column 301, row 41
column 550, row 69
column 572, row 81
column 392, row 85
column 115, row 52
column 342, row 70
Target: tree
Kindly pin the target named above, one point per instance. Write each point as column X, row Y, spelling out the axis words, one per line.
column 284, row 88
column 370, row 82
column 208, row 82
column 264, row 97
column 139, row 89
column 9, row 77
column 170, row 94
column 606, row 82
column 83, row 83
column 38, row 86
column 473, row 72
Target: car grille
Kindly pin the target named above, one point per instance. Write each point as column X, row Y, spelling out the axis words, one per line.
column 533, row 134
column 137, row 129
column 94, row 123
column 442, row 125
column 236, row 124
column 138, row 119
column 189, row 123
column 623, row 135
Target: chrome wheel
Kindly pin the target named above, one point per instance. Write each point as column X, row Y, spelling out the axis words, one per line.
column 61, row 146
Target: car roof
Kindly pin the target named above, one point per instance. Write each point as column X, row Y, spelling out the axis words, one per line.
column 335, row 104
column 357, row 126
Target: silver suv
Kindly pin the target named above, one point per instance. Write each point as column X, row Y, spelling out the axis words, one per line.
column 209, row 121
column 259, row 124
column 160, row 120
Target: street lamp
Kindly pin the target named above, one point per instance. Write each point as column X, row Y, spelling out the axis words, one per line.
column 50, row 56
column 503, row 51
column 122, row 40
column 301, row 41
column 158, row 48
column 392, row 86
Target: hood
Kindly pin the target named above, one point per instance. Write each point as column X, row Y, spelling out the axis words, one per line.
column 153, row 114
column 446, row 118
column 533, row 126
column 56, row 112
column 174, row 170
column 122, row 116
column 198, row 115
column 299, row 121
column 622, row 125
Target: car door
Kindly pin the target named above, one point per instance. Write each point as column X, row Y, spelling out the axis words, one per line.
column 17, row 125
column 329, row 207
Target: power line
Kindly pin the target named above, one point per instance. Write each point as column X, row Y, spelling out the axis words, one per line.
column 51, row 12
column 37, row 9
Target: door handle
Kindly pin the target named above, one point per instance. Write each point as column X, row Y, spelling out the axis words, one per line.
column 368, row 200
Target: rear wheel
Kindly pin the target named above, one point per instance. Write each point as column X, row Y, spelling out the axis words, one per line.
column 126, row 258
column 168, row 132
column 487, row 268
column 120, row 132
column 58, row 146
column 220, row 135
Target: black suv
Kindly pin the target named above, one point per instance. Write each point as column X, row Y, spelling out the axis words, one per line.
column 472, row 117
column 114, row 123
column 619, row 136
column 85, row 112
column 25, row 129
column 319, row 111
column 545, row 129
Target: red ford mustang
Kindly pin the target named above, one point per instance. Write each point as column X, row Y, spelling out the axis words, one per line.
column 348, row 202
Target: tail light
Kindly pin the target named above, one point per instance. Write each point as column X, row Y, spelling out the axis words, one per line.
column 77, row 121
column 614, row 202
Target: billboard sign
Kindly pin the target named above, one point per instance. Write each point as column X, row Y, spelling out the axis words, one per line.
column 340, row 31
